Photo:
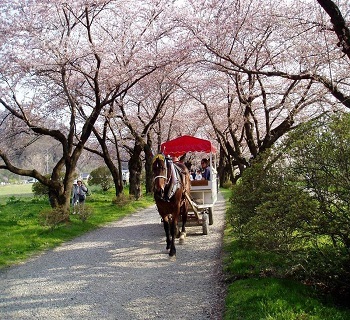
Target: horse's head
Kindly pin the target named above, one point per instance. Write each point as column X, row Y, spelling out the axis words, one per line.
column 160, row 174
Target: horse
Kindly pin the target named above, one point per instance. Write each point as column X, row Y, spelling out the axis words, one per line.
column 171, row 183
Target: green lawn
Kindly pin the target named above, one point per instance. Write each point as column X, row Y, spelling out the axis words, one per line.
column 21, row 234
column 15, row 190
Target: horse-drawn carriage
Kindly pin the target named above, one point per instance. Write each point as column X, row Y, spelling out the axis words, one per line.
column 180, row 201
column 203, row 194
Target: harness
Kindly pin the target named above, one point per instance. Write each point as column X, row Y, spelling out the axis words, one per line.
column 174, row 183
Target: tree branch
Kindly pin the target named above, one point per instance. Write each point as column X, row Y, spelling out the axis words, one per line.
column 339, row 24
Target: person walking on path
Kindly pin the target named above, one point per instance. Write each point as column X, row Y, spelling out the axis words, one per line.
column 79, row 196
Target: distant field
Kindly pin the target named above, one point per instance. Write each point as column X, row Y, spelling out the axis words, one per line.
column 16, row 190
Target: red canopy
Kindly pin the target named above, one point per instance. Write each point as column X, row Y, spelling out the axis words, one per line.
column 183, row 144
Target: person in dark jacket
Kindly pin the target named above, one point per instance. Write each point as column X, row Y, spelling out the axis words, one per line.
column 205, row 169
column 79, row 195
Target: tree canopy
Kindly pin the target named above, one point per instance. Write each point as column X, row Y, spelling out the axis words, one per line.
column 119, row 79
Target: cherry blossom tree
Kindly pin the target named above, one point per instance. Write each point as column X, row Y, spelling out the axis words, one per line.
column 144, row 107
column 126, row 115
column 263, row 71
column 255, row 68
column 63, row 65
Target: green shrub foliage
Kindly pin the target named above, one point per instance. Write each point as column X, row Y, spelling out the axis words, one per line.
column 295, row 200
column 40, row 190
column 53, row 217
column 101, row 177
column 84, row 212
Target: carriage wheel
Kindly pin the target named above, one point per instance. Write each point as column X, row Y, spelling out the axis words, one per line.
column 211, row 211
column 205, row 225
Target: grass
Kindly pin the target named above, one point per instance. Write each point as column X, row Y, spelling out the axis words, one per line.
column 270, row 298
column 21, row 235
column 258, row 288
column 15, row 190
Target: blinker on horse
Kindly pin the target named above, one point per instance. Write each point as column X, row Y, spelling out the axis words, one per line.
column 171, row 182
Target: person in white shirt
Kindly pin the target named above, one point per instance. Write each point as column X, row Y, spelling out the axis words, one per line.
column 198, row 175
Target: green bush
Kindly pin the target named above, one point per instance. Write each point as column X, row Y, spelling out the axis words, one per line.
column 122, row 199
column 53, row 217
column 85, row 212
column 227, row 184
column 268, row 211
column 101, row 177
column 294, row 200
column 13, row 199
column 40, row 190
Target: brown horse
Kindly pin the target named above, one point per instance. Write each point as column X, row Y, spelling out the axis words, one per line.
column 171, row 183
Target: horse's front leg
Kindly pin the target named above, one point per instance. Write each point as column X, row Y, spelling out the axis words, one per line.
column 173, row 224
column 167, row 231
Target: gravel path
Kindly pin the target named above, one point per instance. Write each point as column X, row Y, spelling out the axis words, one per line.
column 121, row 271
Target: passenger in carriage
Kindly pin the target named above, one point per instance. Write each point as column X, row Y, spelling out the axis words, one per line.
column 198, row 175
column 192, row 175
column 205, row 169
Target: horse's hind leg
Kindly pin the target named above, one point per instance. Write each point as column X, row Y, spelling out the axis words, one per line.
column 184, row 220
column 167, row 232
column 183, row 211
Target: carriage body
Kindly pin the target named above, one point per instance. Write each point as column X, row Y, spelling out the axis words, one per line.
column 203, row 192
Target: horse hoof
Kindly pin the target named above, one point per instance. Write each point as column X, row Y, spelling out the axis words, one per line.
column 172, row 258
column 182, row 238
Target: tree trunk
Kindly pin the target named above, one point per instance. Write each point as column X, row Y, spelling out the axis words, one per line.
column 60, row 194
column 135, row 168
column 222, row 172
column 116, row 180
column 148, row 166
column 114, row 172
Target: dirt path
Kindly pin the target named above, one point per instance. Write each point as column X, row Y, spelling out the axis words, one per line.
column 121, row 271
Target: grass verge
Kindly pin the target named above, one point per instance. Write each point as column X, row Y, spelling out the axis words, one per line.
column 21, row 235
column 257, row 287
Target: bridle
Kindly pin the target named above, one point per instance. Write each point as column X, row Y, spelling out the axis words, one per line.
column 173, row 178
column 162, row 157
